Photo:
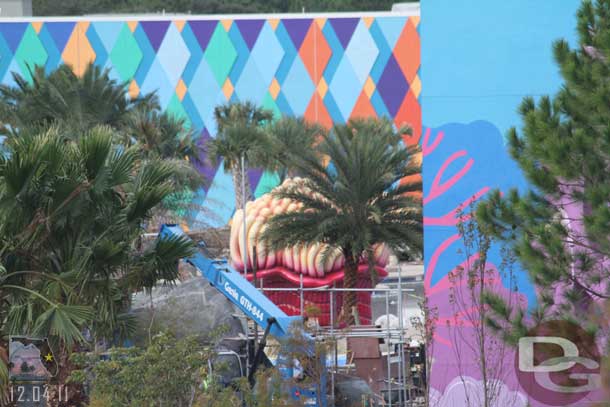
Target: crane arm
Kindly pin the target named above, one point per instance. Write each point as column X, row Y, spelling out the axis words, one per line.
column 237, row 289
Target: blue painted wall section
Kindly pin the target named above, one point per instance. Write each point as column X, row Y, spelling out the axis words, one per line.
column 479, row 59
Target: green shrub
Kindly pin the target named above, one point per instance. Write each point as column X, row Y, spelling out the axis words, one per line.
column 171, row 372
column 168, row 372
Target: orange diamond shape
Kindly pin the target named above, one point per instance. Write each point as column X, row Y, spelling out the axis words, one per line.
column 406, row 50
column 322, row 88
column 180, row 24
column 227, row 89
column 315, row 52
column 181, row 89
column 416, row 86
column 78, row 51
column 274, row 88
column 134, row 89
column 226, row 24
column 273, row 22
column 369, row 87
column 415, row 20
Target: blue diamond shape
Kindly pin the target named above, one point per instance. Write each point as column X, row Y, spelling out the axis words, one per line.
column 173, row 54
column 345, row 88
column 108, row 32
column 156, row 81
column 250, row 85
column 298, row 87
column 204, row 92
column 267, row 53
column 362, row 52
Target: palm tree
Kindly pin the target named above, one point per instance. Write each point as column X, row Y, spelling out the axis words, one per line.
column 358, row 201
column 240, row 135
column 71, row 215
column 64, row 320
column 66, row 100
column 76, row 104
column 169, row 138
column 291, row 137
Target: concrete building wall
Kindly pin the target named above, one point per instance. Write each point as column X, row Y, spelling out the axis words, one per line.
column 15, row 8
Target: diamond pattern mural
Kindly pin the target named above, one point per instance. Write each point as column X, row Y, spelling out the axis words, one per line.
column 329, row 70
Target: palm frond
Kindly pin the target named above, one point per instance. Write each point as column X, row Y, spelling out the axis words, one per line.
column 151, row 184
column 358, row 201
column 64, row 322
column 160, row 262
column 290, row 139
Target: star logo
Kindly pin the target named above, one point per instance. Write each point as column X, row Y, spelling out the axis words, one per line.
column 48, row 357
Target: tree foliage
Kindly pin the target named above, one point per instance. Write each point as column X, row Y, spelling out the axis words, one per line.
column 74, row 105
column 71, row 214
column 167, row 372
column 289, row 139
column 63, row 99
column 176, row 372
column 559, row 229
column 240, row 135
column 472, row 283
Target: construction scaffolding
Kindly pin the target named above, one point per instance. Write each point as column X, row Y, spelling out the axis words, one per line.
column 397, row 355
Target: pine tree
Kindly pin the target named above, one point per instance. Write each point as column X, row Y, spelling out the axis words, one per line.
column 560, row 228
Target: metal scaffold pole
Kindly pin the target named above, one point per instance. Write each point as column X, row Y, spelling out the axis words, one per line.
column 301, row 301
column 245, row 247
column 389, row 366
column 393, row 334
column 334, row 344
column 401, row 328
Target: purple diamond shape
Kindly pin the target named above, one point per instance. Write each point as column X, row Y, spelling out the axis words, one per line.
column 254, row 175
column 249, row 30
column 12, row 33
column 297, row 29
column 203, row 164
column 203, row 31
column 155, row 31
column 60, row 32
column 344, row 28
column 392, row 86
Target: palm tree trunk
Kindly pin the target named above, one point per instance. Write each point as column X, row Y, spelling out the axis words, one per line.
column 240, row 199
column 3, row 376
column 350, row 298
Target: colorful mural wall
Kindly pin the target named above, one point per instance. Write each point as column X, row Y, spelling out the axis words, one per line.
column 332, row 68
column 479, row 59
column 327, row 68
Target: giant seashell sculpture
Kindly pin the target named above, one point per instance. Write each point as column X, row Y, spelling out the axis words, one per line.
column 292, row 266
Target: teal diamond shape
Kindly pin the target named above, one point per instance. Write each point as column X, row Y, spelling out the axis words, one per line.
column 176, row 109
column 268, row 181
column 220, row 54
column 269, row 103
column 30, row 52
column 126, row 54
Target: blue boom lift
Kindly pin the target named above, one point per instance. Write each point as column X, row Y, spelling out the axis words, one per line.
column 256, row 306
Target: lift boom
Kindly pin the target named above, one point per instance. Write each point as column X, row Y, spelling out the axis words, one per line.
column 238, row 290
column 252, row 302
